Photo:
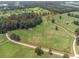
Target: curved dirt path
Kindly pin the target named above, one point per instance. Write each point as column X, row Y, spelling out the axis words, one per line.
column 32, row 46
column 74, row 42
column 74, row 48
column 46, row 50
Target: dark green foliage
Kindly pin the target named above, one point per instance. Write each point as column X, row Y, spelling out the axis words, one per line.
column 39, row 51
column 76, row 23
column 77, row 30
column 77, row 34
column 60, row 17
column 68, row 14
column 56, row 28
column 22, row 16
column 19, row 22
column 53, row 21
column 77, row 40
column 73, row 15
column 15, row 37
column 66, row 55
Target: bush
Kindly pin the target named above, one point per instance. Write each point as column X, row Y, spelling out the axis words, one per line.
column 77, row 40
column 56, row 28
column 76, row 23
column 77, row 32
column 66, row 55
column 60, row 17
column 53, row 21
column 39, row 51
column 15, row 37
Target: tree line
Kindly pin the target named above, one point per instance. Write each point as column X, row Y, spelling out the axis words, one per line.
column 23, row 21
column 72, row 15
column 76, row 23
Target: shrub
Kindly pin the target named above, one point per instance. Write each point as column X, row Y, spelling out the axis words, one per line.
column 66, row 55
column 39, row 51
column 77, row 40
column 15, row 37
column 76, row 23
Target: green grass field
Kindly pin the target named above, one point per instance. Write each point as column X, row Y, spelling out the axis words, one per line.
column 8, row 49
column 67, row 19
column 46, row 36
column 71, row 26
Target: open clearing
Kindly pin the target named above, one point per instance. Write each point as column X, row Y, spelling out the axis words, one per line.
column 46, row 35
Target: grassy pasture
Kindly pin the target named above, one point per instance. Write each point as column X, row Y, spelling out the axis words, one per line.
column 46, row 35
column 12, row 50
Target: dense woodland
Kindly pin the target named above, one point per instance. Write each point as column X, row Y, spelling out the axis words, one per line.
column 22, row 21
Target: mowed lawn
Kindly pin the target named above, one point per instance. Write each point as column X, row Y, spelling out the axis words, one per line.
column 12, row 50
column 46, row 36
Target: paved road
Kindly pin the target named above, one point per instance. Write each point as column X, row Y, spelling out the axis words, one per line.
column 32, row 46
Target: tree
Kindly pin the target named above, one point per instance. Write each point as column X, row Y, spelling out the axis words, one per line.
column 56, row 28
column 20, row 21
column 15, row 37
column 60, row 17
column 53, row 21
column 66, row 55
column 76, row 23
column 39, row 51
column 68, row 14
column 77, row 40
column 77, row 32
